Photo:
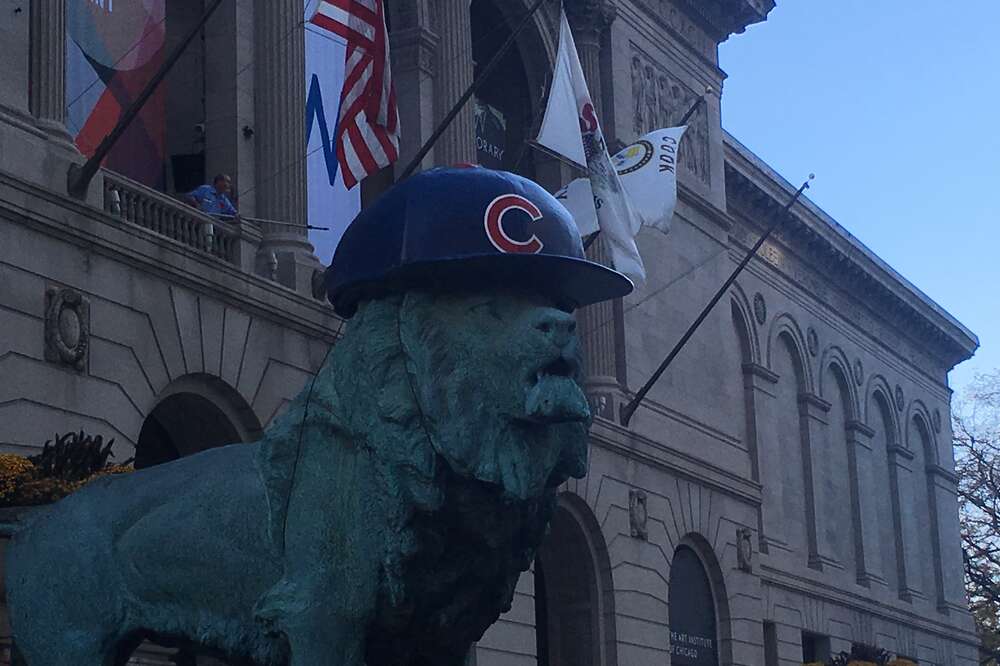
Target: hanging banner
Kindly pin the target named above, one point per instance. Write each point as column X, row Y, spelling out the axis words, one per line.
column 491, row 136
column 112, row 51
column 330, row 203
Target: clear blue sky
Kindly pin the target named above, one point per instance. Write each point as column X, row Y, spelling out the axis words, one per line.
column 895, row 105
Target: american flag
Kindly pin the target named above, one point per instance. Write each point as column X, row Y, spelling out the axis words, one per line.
column 368, row 126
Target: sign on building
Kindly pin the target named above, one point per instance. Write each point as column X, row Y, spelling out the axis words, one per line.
column 491, row 136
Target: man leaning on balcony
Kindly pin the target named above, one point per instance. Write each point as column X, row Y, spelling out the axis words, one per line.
column 214, row 199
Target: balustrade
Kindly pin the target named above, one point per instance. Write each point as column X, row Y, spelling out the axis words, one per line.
column 147, row 208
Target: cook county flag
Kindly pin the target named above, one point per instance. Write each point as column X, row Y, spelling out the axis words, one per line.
column 648, row 172
column 571, row 129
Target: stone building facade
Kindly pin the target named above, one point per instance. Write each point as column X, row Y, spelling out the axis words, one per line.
column 786, row 490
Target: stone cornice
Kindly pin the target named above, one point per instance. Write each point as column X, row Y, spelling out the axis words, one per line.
column 728, row 17
column 634, row 446
column 863, row 603
column 753, row 189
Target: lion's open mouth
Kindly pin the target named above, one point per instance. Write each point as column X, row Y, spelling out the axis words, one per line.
column 555, row 397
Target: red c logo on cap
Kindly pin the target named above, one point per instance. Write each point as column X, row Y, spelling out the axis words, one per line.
column 494, row 224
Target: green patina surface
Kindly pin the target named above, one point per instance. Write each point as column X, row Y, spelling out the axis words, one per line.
column 392, row 531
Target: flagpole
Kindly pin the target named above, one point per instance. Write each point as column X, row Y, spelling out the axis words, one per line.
column 697, row 105
column 629, row 410
column 455, row 110
column 261, row 220
column 589, row 240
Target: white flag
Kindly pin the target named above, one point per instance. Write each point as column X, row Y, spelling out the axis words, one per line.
column 648, row 172
column 571, row 129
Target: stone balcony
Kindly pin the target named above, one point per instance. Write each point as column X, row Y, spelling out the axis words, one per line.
column 233, row 243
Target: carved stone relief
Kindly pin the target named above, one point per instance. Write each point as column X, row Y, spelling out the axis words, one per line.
column 693, row 35
column 859, row 372
column 900, row 402
column 744, row 549
column 637, row 515
column 812, row 341
column 660, row 100
column 67, row 327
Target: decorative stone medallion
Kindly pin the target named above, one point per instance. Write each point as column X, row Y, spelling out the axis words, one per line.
column 812, row 341
column 859, row 372
column 744, row 549
column 759, row 308
column 899, row 398
column 67, row 327
column 936, row 420
column 637, row 515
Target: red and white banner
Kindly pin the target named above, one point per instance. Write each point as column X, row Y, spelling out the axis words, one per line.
column 570, row 128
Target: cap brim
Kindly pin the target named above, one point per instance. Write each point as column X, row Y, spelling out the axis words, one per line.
column 570, row 282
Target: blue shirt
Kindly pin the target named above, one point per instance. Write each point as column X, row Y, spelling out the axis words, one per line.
column 212, row 202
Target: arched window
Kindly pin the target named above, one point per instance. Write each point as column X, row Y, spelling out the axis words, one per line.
column 889, row 528
column 835, row 483
column 694, row 639
column 928, row 546
column 786, row 479
column 506, row 108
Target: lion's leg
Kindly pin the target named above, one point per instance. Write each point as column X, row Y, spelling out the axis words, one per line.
column 68, row 653
column 326, row 644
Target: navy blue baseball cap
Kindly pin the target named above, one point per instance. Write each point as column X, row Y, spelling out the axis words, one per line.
column 467, row 229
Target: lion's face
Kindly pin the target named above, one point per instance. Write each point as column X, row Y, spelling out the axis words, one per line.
column 496, row 377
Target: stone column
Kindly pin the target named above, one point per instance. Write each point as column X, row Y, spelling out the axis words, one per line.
column 414, row 58
column 813, row 412
column 453, row 25
column 15, row 47
column 47, row 67
column 864, row 508
column 601, row 325
column 589, row 20
column 229, row 95
column 279, row 104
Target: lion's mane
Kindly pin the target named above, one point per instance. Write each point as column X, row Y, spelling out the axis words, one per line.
column 466, row 494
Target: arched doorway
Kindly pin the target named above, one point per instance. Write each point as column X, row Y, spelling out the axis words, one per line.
column 508, row 104
column 573, row 615
column 194, row 413
column 694, row 638
column 182, row 423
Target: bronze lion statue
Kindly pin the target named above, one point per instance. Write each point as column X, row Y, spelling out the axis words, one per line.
column 385, row 518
